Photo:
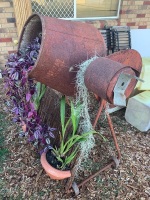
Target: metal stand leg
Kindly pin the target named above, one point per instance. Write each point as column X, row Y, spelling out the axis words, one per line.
column 113, row 134
column 102, row 104
column 115, row 161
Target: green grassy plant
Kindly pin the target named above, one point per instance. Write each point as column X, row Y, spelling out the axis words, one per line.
column 3, row 128
column 3, row 152
column 69, row 141
column 40, row 88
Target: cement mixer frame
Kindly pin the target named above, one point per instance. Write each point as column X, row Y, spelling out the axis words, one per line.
column 71, row 185
column 65, row 45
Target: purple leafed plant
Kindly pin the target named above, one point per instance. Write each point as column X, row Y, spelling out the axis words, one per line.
column 20, row 90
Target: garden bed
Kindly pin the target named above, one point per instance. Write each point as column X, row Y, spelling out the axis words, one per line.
column 24, row 178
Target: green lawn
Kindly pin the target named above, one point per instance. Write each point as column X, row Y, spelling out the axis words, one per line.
column 3, row 126
column 3, row 150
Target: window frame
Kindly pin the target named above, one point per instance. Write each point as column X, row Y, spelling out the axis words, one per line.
column 94, row 18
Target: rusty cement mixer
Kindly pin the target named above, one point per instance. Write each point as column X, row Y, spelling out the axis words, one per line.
column 65, row 45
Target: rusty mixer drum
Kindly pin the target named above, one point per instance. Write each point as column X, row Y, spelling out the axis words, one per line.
column 65, row 44
column 102, row 74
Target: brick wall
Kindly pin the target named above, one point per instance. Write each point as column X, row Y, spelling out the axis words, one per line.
column 133, row 13
column 8, row 32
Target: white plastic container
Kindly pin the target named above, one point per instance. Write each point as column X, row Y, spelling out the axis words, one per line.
column 145, row 75
column 138, row 111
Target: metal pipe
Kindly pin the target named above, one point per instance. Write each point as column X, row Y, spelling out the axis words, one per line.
column 102, row 103
column 113, row 135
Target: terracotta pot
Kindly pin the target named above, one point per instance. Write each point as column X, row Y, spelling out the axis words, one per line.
column 52, row 172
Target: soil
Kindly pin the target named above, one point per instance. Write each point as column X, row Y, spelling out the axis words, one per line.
column 52, row 160
column 23, row 177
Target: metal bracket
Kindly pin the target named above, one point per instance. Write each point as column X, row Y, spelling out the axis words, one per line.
column 135, row 77
column 116, row 162
column 75, row 188
column 120, row 88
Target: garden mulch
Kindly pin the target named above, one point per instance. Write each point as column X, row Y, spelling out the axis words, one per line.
column 24, row 178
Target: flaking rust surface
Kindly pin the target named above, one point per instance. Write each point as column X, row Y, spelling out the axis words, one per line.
column 65, row 44
column 102, row 75
column 129, row 57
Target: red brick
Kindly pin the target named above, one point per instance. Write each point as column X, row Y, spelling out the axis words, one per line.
column 102, row 24
column 122, row 12
column 5, row 39
column 12, row 52
column 140, row 15
column 146, row 3
column 4, row 4
column 3, row 30
column 131, row 24
column 130, row 12
column 118, row 22
column 142, row 27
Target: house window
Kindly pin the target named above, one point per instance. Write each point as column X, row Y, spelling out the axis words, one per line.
column 78, row 9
